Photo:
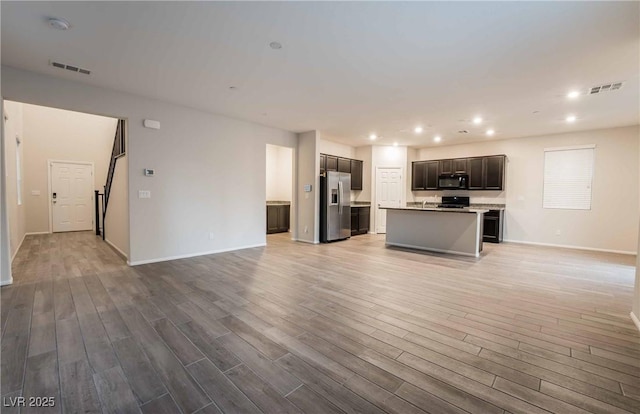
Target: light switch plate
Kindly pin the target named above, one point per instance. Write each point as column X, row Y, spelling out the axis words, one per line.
column 144, row 194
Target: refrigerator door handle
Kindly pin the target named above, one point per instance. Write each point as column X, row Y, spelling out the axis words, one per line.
column 340, row 196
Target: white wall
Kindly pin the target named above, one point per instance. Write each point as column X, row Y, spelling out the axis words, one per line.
column 55, row 134
column 5, row 254
column 279, row 175
column 334, row 148
column 365, row 154
column 117, row 219
column 308, row 161
column 606, row 226
column 16, row 213
column 635, row 314
column 207, row 167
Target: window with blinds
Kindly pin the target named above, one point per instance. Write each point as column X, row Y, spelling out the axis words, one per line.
column 568, row 174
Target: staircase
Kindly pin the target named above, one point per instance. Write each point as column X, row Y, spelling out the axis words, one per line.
column 117, row 152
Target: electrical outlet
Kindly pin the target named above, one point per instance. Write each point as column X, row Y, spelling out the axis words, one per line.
column 211, row 235
column 558, row 232
column 306, row 229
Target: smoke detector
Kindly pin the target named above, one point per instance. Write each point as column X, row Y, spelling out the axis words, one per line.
column 607, row 87
column 71, row 68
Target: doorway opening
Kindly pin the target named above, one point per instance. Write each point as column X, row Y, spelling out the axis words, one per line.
column 279, row 192
column 56, row 161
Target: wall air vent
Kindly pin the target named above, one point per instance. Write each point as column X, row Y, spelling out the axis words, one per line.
column 605, row 88
column 70, row 68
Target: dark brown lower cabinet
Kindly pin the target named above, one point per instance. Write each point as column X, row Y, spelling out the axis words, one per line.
column 278, row 218
column 493, row 226
column 360, row 220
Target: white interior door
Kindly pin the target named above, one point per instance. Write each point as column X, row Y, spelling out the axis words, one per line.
column 71, row 196
column 388, row 194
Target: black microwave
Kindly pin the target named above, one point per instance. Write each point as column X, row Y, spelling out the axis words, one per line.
column 453, row 182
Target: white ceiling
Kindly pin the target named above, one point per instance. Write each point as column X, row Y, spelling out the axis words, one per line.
column 350, row 69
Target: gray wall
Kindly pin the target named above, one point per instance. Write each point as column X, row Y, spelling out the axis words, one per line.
column 209, row 168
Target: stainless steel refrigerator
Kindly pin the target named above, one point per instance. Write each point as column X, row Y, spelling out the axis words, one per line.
column 335, row 206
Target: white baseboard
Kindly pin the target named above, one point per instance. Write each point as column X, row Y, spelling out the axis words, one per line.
column 186, row 256
column 568, row 246
column 635, row 320
column 6, row 283
column 120, row 252
column 34, row 233
column 19, row 246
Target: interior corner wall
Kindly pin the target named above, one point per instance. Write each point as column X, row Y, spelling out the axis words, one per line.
column 636, row 294
column 60, row 135
column 615, row 179
column 308, row 162
column 116, row 223
column 279, row 173
column 16, row 213
column 5, row 255
column 205, row 167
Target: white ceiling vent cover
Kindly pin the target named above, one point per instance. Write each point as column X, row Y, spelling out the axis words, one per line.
column 605, row 88
column 71, row 68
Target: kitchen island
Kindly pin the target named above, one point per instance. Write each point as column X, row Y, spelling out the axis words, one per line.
column 443, row 230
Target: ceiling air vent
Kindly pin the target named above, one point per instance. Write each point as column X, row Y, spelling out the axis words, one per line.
column 463, row 131
column 70, row 68
column 605, row 88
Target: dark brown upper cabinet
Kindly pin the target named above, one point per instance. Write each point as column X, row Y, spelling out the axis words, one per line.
column 494, row 172
column 432, row 175
column 475, row 170
column 332, row 163
column 356, row 175
column 424, row 175
column 418, row 176
column 344, row 165
column 485, row 173
column 460, row 166
column 446, row 167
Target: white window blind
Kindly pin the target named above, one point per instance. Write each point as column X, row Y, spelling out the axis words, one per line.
column 568, row 174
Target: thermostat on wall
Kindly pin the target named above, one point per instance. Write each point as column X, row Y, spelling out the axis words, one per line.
column 149, row 172
column 307, row 188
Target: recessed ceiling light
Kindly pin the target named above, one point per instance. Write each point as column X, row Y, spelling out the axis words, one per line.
column 573, row 94
column 490, row 132
column 373, row 137
column 437, row 138
column 395, row 144
column 477, row 120
column 59, row 24
column 275, row 45
column 571, row 118
column 418, row 130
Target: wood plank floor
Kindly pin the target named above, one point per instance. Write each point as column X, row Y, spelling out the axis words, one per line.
column 348, row 327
